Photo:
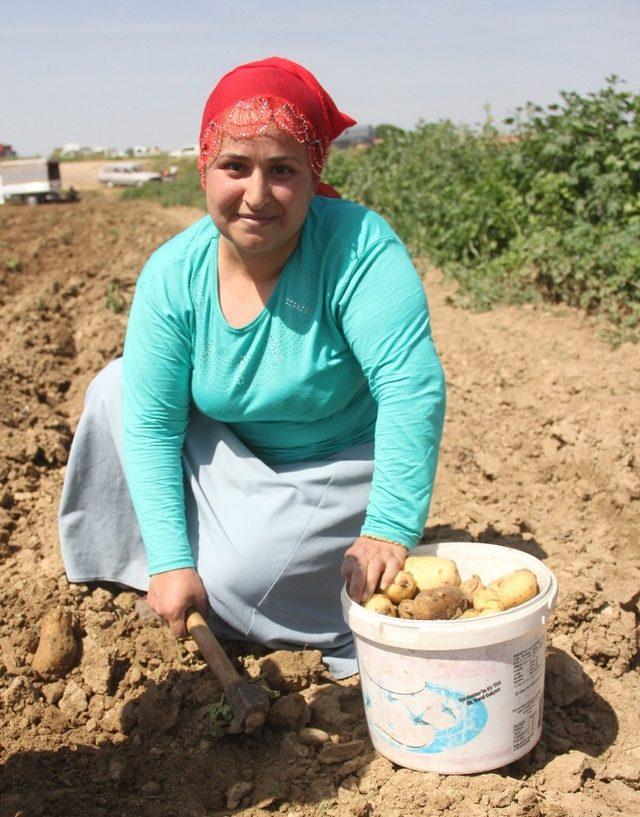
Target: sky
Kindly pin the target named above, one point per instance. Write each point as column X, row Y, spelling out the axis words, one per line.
column 118, row 73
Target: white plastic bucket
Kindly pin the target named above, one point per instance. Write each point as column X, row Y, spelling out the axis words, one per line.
column 462, row 696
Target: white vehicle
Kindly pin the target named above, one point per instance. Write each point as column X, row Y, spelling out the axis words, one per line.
column 186, row 152
column 129, row 174
column 32, row 181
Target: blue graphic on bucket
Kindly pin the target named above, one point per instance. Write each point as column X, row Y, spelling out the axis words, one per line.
column 431, row 720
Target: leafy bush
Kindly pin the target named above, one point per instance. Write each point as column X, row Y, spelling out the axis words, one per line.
column 550, row 211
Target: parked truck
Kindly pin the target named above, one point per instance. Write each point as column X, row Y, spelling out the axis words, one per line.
column 32, row 181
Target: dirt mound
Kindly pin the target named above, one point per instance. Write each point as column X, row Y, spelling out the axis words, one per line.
column 540, row 453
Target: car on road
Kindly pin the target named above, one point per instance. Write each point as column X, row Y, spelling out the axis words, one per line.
column 129, row 174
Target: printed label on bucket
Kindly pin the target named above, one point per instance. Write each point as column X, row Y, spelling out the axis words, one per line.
column 430, row 720
column 487, row 706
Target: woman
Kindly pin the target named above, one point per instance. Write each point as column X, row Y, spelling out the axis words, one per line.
column 271, row 349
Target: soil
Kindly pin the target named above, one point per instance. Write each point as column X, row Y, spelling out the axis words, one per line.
column 540, row 453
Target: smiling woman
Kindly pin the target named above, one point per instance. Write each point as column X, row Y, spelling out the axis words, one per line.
column 279, row 406
column 258, row 193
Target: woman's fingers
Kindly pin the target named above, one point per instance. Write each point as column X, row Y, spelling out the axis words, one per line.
column 356, row 579
column 374, row 569
column 172, row 593
column 368, row 564
column 177, row 625
column 393, row 566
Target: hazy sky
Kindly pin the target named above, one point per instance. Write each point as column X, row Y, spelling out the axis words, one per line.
column 123, row 73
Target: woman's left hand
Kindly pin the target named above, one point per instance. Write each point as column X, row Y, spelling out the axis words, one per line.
column 366, row 561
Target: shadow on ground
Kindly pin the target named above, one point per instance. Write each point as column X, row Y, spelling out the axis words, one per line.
column 490, row 535
column 165, row 761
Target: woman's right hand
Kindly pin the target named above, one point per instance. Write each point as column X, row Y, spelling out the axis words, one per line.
column 172, row 593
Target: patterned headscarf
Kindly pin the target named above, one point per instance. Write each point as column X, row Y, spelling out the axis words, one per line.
column 275, row 91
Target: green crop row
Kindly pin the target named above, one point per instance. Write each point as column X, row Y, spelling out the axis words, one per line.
column 548, row 211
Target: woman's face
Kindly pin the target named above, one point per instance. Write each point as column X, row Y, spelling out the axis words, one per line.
column 258, row 192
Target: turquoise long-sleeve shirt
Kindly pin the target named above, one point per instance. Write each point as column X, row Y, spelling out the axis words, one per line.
column 341, row 354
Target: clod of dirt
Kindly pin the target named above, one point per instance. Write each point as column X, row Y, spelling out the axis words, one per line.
column 565, row 679
column 100, row 600
column 609, row 640
column 289, row 712
column 375, row 775
column 151, row 789
column 74, row 701
column 565, row 772
column 339, row 752
column 120, row 718
column 311, row 736
column 351, row 803
column 626, row 770
column 117, row 768
column 292, row 671
column 348, row 769
column 96, row 666
column 326, row 703
column 526, row 799
column 57, row 649
column 237, row 793
column 157, row 712
column 53, row 692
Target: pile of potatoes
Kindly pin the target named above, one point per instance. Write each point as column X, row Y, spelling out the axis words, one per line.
column 430, row 588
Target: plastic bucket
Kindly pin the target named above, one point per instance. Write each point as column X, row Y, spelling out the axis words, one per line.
column 462, row 696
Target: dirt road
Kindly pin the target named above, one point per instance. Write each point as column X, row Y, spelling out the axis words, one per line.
column 541, row 452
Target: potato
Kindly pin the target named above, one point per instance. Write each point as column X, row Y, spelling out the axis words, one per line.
column 469, row 586
column 515, row 588
column 380, row 604
column 487, row 599
column 432, row 571
column 405, row 608
column 443, row 602
column 403, row 587
column 470, row 613
column 57, row 650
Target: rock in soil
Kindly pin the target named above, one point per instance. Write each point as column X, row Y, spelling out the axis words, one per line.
column 311, row 736
column 57, row 650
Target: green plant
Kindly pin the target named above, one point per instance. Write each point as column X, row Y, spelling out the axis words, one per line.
column 115, row 300
column 13, row 264
column 548, row 211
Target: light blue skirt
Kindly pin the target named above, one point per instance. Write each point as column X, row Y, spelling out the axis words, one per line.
column 268, row 541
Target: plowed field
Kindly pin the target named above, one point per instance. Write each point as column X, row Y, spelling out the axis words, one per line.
column 541, row 452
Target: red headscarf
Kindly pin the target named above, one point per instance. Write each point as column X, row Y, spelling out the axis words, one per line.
column 252, row 96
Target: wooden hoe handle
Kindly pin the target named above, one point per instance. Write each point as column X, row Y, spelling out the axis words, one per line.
column 210, row 648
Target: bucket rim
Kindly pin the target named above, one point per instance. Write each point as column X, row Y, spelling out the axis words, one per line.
column 471, row 632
